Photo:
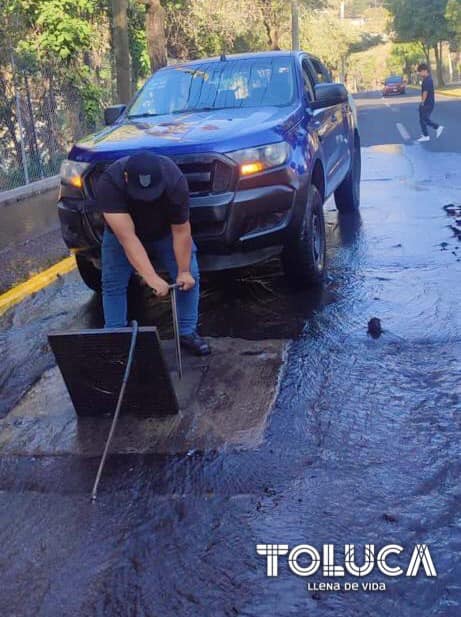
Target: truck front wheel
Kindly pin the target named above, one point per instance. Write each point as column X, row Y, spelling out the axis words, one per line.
column 91, row 276
column 304, row 254
column 347, row 195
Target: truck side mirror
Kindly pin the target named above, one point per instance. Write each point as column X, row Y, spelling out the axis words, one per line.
column 111, row 114
column 327, row 95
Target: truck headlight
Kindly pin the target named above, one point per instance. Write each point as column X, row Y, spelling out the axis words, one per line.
column 254, row 160
column 71, row 173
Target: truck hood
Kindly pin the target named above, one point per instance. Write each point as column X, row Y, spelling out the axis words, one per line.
column 221, row 130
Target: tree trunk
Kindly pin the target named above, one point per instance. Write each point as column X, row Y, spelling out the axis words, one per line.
column 294, row 25
column 439, row 66
column 121, row 49
column 155, row 34
column 450, row 66
column 273, row 35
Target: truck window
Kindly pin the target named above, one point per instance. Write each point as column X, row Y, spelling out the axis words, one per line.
column 228, row 84
column 321, row 73
column 308, row 79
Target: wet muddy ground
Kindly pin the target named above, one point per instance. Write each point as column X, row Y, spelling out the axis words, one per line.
column 361, row 446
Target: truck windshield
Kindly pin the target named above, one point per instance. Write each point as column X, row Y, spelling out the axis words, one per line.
column 228, row 84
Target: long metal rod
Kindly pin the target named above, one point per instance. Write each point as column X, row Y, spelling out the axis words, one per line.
column 174, row 312
column 117, row 409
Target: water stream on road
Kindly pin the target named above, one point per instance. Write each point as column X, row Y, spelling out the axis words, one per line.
column 362, row 446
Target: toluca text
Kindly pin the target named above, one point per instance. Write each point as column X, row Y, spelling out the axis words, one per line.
column 305, row 560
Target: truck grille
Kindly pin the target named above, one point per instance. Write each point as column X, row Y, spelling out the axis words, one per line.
column 206, row 174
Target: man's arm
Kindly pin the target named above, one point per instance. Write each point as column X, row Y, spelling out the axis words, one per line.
column 182, row 247
column 424, row 96
column 123, row 227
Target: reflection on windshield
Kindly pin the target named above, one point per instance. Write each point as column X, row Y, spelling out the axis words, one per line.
column 228, row 84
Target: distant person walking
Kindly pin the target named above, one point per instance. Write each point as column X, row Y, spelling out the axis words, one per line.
column 427, row 105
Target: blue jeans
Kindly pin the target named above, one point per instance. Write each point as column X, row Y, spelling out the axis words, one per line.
column 117, row 271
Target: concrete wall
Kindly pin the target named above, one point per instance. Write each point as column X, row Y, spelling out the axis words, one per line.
column 28, row 212
column 23, row 193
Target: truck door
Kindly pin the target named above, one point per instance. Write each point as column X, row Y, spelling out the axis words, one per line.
column 328, row 123
column 323, row 123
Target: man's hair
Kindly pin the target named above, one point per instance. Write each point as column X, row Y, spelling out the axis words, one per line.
column 422, row 67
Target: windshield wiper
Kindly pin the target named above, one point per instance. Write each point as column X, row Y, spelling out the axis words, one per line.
column 183, row 111
column 145, row 115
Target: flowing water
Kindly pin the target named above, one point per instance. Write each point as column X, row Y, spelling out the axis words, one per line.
column 362, row 445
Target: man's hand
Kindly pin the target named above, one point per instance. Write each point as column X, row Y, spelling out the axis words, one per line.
column 185, row 280
column 159, row 286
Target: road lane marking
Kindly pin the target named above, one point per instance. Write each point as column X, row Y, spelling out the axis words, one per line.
column 391, row 107
column 35, row 283
column 403, row 131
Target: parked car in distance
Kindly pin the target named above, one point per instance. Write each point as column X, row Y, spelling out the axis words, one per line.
column 263, row 140
column 394, row 85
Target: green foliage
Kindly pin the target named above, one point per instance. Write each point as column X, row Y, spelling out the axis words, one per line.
column 201, row 28
column 404, row 58
column 453, row 17
column 140, row 63
column 377, row 20
column 367, row 69
column 420, row 20
column 329, row 38
column 356, row 8
column 89, row 93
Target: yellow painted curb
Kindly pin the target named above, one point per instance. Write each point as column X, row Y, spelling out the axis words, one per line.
column 456, row 93
column 35, row 283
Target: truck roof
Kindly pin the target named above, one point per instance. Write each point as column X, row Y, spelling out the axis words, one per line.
column 242, row 56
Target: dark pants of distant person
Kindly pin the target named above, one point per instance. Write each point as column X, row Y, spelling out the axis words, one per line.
column 425, row 112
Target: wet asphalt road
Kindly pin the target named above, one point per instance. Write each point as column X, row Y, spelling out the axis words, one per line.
column 362, row 444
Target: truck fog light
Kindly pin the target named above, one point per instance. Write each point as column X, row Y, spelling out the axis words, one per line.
column 251, row 168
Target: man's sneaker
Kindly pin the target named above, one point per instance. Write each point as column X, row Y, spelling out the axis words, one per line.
column 423, row 138
column 439, row 131
column 195, row 343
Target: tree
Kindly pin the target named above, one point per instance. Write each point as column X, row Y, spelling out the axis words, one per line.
column 52, row 81
column 275, row 16
column 377, row 20
column 140, row 62
column 329, row 38
column 121, row 47
column 155, row 33
column 423, row 21
column 403, row 59
column 453, row 17
column 200, row 28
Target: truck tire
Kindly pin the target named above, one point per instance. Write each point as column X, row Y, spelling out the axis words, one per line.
column 304, row 255
column 347, row 195
column 91, row 276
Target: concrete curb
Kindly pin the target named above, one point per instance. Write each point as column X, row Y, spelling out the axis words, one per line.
column 29, row 190
column 448, row 93
column 36, row 283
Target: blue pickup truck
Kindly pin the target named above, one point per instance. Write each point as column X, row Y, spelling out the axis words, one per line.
column 263, row 140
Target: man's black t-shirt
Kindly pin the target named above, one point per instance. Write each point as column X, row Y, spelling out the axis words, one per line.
column 428, row 86
column 152, row 220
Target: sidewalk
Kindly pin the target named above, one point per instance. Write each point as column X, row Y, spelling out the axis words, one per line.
column 453, row 90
